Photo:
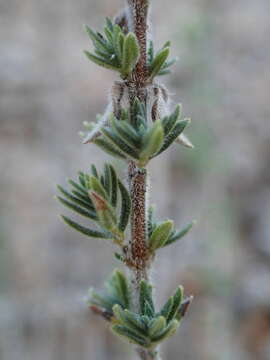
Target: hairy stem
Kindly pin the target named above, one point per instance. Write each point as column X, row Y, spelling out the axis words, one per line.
column 138, row 250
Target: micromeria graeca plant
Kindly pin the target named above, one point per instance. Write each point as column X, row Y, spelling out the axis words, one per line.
column 136, row 127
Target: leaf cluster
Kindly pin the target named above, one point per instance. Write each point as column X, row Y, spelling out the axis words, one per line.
column 147, row 328
column 158, row 63
column 131, row 137
column 114, row 50
column 96, row 197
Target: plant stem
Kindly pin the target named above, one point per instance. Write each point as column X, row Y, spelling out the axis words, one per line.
column 138, row 249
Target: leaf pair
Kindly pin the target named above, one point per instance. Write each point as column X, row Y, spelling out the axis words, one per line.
column 118, row 292
column 115, row 50
column 148, row 328
column 96, row 197
column 158, row 64
column 139, row 140
column 163, row 233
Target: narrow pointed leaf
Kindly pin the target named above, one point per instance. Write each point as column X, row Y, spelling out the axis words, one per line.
column 167, row 308
column 101, row 61
column 125, row 207
column 114, row 194
column 167, row 332
column 129, row 335
column 84, row 230
column 177, row 299
column 82, row 203
column 158, row 62
column 180, row 234
column 109, row 148
column 157, row 325
column 173, row 135
column 87, row 213
column 120, row 144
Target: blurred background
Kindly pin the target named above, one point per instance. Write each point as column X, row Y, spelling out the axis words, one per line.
column 47, row 89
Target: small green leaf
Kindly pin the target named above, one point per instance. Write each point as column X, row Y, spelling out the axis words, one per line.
column 131, row 54
column 160, row 235
column 173, row 135
column 120, row 144
column 146, row 297
column 78, row 187
column 167, row 308
column 177, row 299
column 167, row 332
column 84, row 230
column 101, row 61
column 96, row 186
column 180, row 234
column 96, row 39
column 125, row 207
column 120, row 288
column 86, row 204
column 114, row 181
column 158, row 62
column 94, row 171
column 87, row 213
column 152, row 142
column 169, row 121
column 109, row 148
column 127, row 133
column 130, row 335
column 156, row 326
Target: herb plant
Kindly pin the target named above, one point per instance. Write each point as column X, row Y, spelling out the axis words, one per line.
column 137, row 126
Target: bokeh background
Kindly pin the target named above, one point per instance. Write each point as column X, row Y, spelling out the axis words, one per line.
column 47, row 89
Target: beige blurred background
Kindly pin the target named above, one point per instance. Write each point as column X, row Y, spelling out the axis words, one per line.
column 47, row 89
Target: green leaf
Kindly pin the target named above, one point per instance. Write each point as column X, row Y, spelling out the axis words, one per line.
column 152, row 142
column 131, row 54
column 106, row 214
column 146, row 297
column 82, row 190
column 94, row 171
column 88, row 205
column 150, row 213
column 96, row 39
column 173, row 135
column 84, row 230
column 177, row 299
column 130, row 335
column 118, row 284
column 125, row 207
column 169, row 121
column 96, row 186
column 87, row 213
column 156, row 326
column 127, row 133
column 167, row 308
column 167, row 332
column 160, row 235
column 114, row 181
column 101, row 300
column 101, row 61
column 120, row 144
column 158, row 62
column 180, row 234
column 131, row 320
column 109, row 148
